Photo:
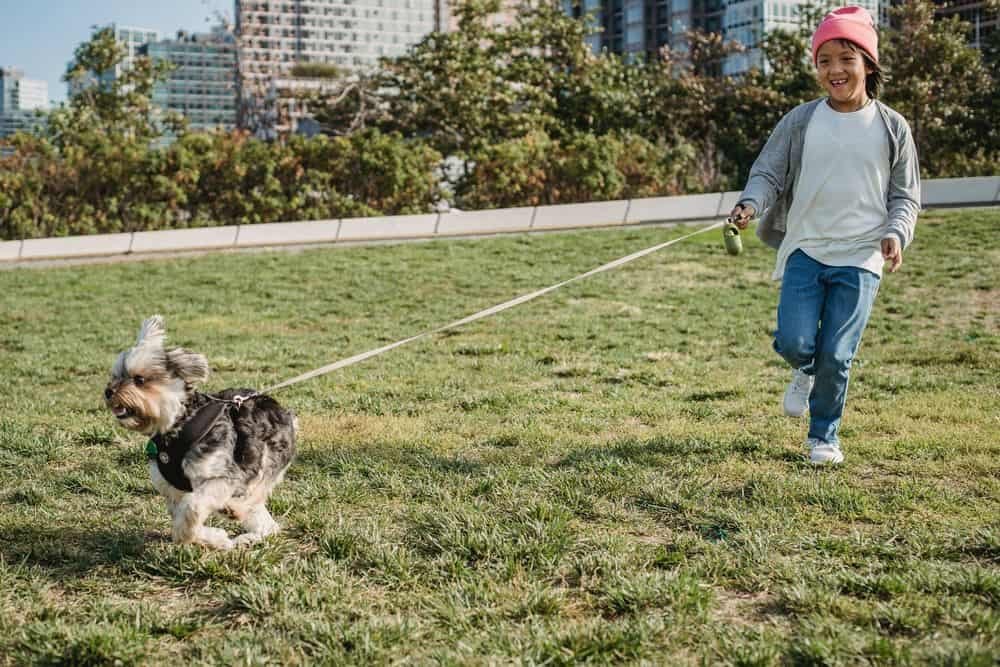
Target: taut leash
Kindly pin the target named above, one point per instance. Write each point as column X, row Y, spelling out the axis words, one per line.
column 350, row 361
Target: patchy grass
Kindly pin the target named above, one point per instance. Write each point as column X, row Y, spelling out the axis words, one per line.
column 601, row 475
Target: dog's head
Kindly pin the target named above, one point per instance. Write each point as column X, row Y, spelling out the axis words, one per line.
column 150, row 384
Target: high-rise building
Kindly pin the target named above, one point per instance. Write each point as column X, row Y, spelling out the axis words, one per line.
column 276, row 35
column 22, row 101
column 351, row 34
column 644, row 26
column 749, row 21
column 202, row 85
column 20, row 94
column 133, row 39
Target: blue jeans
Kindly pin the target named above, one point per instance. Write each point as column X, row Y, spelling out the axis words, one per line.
column 822, row 313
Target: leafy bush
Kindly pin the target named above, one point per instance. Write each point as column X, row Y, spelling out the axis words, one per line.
column 209, row 179
column 537, row 169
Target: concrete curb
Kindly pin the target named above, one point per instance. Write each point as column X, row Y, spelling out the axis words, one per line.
column 937, row 193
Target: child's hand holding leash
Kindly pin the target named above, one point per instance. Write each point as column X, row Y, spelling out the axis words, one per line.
column 892, row 252
column 741, row 215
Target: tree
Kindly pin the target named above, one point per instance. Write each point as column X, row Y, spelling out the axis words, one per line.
column 935, row 79
column 90, row 171
column 984, row 110
column 718, row 114
column 356, row 104
column 489, row 94
column 108, row 98
column 578, row 167
column 466, row 88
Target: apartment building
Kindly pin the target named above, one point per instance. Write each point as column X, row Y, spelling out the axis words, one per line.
column 352, row 35
column 202, row 85
column 23, row 101
column 645, row 26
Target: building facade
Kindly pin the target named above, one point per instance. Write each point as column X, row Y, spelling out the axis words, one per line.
column 202, row 85
column 23, row 102
column 18, row 93
column 352, row 35
column 645, row 26
column 133, row 39
column 749, row 21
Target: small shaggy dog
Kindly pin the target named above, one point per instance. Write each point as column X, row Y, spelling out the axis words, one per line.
column 208, row 453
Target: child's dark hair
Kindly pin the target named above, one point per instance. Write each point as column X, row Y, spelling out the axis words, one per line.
column 873, row 81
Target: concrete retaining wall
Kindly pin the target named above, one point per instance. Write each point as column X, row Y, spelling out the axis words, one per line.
column 938, row 193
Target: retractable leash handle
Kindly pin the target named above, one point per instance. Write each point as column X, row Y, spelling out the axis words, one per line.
column 731, row 232
column 731, row 237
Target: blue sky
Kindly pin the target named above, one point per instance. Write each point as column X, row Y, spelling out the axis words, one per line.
column 39, row 36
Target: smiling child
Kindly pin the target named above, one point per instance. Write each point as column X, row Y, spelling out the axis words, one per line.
column 838, row 186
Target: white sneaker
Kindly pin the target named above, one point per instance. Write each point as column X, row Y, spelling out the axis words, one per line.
column 821, row 453
column 797, row 394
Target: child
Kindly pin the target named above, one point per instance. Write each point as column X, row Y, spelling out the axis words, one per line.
column 839, row 187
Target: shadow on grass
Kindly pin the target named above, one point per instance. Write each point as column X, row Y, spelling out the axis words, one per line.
column 379, row 457
column 654, row 451
column 711, row 526
column 71, row 551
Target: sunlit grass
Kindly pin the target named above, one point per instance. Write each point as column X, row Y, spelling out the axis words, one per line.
column 600, row 475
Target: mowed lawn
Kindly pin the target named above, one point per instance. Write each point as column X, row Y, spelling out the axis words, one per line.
column 602, row 475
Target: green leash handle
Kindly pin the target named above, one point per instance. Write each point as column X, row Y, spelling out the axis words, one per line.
column 731, row 236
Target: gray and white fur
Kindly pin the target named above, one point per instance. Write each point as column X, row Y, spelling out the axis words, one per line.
column 232, row 469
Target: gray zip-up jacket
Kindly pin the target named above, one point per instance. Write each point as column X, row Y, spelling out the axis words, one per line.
column 771, row 184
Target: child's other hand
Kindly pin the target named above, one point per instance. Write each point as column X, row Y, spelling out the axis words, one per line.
column 891, row 252
column 741, row 215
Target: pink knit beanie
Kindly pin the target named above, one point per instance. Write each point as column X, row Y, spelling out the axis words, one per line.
column 854, row 24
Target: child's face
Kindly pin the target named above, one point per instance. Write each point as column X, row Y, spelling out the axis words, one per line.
column 841, row 71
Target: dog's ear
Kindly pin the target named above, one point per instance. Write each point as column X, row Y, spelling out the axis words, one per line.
column 188, row 366
column 152, row 332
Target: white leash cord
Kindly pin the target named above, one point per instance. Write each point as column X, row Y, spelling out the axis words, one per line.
column 343, row 363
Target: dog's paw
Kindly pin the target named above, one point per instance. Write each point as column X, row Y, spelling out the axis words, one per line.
column 247, row 539
column 216, row 538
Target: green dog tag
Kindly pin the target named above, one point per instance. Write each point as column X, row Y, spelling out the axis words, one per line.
column 151, row 449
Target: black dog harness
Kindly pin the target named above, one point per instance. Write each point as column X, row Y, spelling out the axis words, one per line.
column 170, row 452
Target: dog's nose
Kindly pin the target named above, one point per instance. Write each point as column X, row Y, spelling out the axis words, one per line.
column 108, row 393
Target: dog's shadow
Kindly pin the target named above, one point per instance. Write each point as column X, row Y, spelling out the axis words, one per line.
column 72, row 552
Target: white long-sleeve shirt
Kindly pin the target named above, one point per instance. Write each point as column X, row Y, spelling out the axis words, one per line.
column 839, row 214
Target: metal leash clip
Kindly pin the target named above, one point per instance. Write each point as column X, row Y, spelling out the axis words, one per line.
column 240, row 400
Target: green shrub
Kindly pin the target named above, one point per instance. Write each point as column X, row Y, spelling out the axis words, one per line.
column 99, row 185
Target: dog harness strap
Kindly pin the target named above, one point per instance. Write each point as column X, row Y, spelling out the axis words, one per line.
column 168, row 460
column 170, row 453
column 201, row 422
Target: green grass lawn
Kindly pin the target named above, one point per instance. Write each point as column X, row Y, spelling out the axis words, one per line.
column 600, row 475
